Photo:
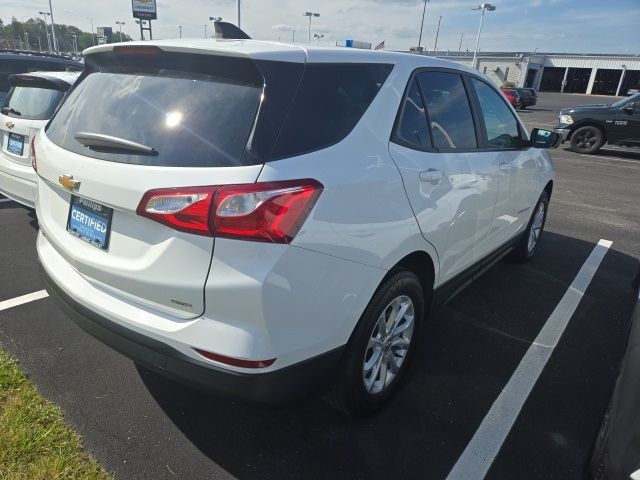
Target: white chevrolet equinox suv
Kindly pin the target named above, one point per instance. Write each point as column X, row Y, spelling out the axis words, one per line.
column 266, row 220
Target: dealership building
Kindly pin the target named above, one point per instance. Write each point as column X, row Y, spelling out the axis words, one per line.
column 596, row 74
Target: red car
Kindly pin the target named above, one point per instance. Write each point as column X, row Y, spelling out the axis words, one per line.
column 512, row 96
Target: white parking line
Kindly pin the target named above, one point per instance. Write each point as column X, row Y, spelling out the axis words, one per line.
column 29, row 297
column 475, row 461
column 617, row 159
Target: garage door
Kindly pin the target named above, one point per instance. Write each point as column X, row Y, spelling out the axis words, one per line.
column 552, row 79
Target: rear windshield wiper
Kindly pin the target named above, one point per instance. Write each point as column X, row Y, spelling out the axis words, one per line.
column 6, row 110
column 107, row 142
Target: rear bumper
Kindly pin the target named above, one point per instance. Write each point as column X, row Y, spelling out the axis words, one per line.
column 18, row 182
column 276, row 387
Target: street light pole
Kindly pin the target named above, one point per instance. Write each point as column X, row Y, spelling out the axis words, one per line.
column 180, row 28
column 293, row 36
column 315, row 35
column 53, row 28
column 239, row 14
column 460, row 46
column 482, row 7
column 46, row 29
column 205, row 30
column 310, row 15
column 26, row 35
column 424, row 9
column 39, row 44
column 121, row 24
column 435, row 47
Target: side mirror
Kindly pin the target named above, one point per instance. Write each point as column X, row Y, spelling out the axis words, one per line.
column 544, row 138
column 629, row 109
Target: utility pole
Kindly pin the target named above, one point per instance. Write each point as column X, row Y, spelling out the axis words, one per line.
column 53, row 29
column 460, row 46
column 435, row 47
column 180, row 28
column 424, row 9
column 75, row 44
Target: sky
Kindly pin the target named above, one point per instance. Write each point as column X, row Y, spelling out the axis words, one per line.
column 583, row 26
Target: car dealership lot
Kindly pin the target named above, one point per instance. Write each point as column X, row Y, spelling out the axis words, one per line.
column 139, row 425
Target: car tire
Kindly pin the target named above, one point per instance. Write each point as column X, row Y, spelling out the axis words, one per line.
column 527, row 246
column 587, row 139
column 523, row 107
column 380, row 348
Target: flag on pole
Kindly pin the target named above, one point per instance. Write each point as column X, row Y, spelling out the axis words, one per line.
column 379, row 46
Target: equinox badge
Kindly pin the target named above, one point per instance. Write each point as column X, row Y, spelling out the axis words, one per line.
column 68, row 182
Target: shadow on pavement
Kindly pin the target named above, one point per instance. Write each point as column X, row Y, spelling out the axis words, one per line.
column 467, row 354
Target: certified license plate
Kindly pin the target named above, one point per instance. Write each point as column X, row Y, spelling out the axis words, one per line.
column 15, row 144
column 90, row 221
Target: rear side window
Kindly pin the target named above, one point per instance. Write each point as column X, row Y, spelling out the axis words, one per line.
column 331, row 99
column 197, row 116
column 500, row 124
column 412, row 129
column 448, row 110
column 31, row 103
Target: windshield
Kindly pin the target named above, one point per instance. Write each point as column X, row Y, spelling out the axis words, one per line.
column 31, row 103
column 624, row 101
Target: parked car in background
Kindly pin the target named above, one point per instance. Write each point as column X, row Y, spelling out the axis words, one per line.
column 616, row 453
column 512, row 96
column 12, row 62
column 589, row 127
column 528, row 96
column 27, row 108
column 633, row 90
column 269, row 249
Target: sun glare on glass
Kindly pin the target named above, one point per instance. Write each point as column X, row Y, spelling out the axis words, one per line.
column 172, row 119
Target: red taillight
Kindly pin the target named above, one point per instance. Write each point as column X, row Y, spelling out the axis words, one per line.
column 34, row 162
column 267, row 212
column 236, row 362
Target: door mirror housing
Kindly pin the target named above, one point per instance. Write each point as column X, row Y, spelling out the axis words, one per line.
column 629, row 109
column 541, row 138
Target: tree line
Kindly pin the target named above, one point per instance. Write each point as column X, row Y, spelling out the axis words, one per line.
column 31, row 35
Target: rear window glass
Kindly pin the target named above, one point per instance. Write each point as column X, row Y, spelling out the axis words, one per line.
column 330, row 101
column 31, row 103
column 191, row 119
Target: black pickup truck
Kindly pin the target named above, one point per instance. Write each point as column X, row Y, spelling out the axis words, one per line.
column 589, row 127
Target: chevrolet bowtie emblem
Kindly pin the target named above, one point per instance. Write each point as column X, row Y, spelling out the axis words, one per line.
column 68, row 182
column 10, row 124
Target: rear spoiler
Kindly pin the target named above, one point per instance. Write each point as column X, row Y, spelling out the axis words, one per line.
column 38, row 81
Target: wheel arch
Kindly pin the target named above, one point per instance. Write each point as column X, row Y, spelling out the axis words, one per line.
column 422, row 265
column 549, row 188
column 588, row 123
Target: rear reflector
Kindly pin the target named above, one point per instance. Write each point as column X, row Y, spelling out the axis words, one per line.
column 265, row 212
column 235, row 362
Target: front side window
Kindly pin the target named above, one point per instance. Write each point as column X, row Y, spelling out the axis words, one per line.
column 500, row 124
column 31, row 103
column 412, row 129
column 448, row 110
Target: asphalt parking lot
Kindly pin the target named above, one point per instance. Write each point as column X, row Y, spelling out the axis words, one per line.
column 139, row 425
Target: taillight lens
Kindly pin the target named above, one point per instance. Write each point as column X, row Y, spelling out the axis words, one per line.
column 266, row 212
column 34, row 162
column 236, row 362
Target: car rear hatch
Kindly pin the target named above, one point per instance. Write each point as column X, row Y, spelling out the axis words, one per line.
column 142, row 119
column 26, row 109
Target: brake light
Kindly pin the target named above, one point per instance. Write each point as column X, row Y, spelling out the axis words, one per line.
column 265, row 212
column 34, row 163
column 133, row 51
column 236, row 362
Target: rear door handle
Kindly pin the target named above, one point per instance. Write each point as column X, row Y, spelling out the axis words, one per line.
column 432, row 176
column 504, row 167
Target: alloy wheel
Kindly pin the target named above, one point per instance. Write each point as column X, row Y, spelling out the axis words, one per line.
column 388, row 344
